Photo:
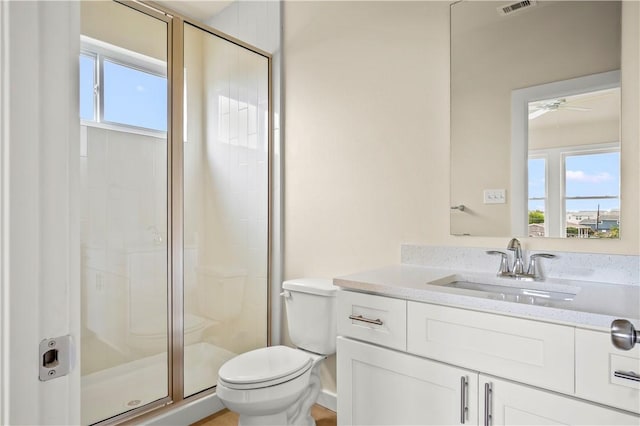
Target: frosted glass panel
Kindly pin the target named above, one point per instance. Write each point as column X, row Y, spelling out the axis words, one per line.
column 225, row 204
column 124, row 363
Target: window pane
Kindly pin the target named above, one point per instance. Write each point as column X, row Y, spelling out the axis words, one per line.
column 134, row 97
column 537, row 185
column 593, row 175
column 87, row 83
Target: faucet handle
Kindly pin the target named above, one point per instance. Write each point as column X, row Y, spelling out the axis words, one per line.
column 532, row 269
column 504, row 262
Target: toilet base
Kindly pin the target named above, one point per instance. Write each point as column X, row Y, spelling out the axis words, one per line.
column 278, row 419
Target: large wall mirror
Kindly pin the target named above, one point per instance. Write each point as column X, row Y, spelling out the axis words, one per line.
column 535, row 119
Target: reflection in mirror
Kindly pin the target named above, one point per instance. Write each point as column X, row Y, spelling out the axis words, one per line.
column 494, row 54
column 590, row 206
column 566, row 134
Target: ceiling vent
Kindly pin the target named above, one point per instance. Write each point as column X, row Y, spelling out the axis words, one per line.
column 516, row 7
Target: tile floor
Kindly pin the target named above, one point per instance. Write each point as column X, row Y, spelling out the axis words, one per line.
column 323, row 416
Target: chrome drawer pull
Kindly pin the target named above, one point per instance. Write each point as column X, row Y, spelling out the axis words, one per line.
column 629, row 375
column 367, row 320
column 487, row 404
column 463, row 399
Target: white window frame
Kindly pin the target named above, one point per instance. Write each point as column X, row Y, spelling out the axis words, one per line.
column 102, row 51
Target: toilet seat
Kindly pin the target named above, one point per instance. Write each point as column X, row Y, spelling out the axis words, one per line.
column 264, row 367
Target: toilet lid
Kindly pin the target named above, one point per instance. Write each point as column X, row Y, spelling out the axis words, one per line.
column 274, row 364
column 156, row 326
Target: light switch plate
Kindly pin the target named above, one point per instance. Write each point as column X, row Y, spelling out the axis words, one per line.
column 495, row 196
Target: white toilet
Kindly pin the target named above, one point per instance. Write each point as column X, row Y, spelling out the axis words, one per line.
column 278, row 385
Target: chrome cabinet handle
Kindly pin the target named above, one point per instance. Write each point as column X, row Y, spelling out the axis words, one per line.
column 367, row 320
column 629, row 375
column 487, row 404
column 624, row 335
column 463, row 399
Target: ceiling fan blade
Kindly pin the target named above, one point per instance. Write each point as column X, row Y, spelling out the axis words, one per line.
column 574, row 108
column 535, row 114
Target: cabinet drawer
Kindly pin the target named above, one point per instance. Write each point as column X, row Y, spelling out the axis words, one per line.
column 597, row 360
column 532, row 352
column 375, row 319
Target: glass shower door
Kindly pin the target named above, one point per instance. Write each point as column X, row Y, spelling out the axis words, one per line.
column 123, row 160
column 226, row 206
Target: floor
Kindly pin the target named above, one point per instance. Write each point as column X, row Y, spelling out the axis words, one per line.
column 323, row 416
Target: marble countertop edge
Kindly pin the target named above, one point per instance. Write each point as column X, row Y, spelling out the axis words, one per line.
column 595, row 306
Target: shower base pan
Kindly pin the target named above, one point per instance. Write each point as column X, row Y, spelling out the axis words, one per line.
column 112, row 391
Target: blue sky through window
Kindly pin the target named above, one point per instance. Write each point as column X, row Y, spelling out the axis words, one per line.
column 593, row 175
column 586, row 175
column 134, row 97
column 537, row 187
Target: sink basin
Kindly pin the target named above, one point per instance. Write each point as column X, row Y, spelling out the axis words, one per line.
column 511, row 292
column 526, row 294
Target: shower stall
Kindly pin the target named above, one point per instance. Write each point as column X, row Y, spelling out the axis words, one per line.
column 175, row 159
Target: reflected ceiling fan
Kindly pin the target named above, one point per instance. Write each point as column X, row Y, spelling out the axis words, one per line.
column 539, row 108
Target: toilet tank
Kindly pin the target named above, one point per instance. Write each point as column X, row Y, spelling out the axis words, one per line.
column 220, row 292
column 311, row 314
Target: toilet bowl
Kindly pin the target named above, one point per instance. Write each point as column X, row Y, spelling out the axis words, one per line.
column 263, row 384
column 277, row 385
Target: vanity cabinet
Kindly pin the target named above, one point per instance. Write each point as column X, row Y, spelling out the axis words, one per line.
column 509, row 403
column 456, row 366
column 379, row 386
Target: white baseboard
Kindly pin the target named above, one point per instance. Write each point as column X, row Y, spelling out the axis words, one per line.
column 328, row 400
column 188, row 413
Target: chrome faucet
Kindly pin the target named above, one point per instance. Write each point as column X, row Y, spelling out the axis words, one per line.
column 518, row 265
column 533, row 271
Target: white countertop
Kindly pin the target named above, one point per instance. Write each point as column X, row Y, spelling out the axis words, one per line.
column 595, row 305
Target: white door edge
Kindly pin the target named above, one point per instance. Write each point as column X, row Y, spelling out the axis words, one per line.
column 39, row 251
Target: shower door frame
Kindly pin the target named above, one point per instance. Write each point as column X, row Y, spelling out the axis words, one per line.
column 176, row 195
column 175, row 205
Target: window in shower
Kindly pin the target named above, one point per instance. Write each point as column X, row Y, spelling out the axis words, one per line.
column 123, row 88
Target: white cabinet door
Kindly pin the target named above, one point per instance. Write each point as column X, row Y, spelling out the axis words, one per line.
column 513, row 404
column 379, row 386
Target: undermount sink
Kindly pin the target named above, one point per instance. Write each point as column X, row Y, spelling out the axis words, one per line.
column 545, row 295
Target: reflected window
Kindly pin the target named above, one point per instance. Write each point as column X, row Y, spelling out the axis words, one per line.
column 592, row 194
column 589, row 205
column 537, row 196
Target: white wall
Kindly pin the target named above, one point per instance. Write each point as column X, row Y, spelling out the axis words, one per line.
column 367, row 137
